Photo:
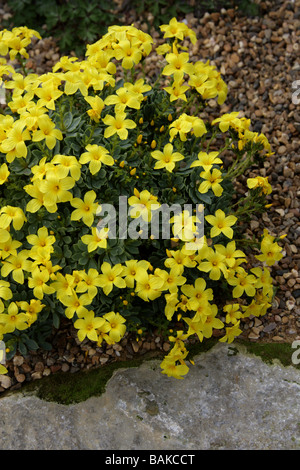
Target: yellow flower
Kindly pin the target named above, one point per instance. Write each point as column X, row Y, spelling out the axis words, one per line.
column 14, row 215
column 95, row 156
column 212, row 181
column 167, row 158
column 142, row 204
column 102, row 334
column 97, row 105
column 171, row 279
column 16, row 265
column 56, row 190
column 171, row 305
column 215, row 264
column 128, row 52
column 90, row 281
column 177, row 91
column 233, row 313
column 47, row 132
column 73, row 82
column 42, row 239
column 271, row 251
column 226, row 121
column 132, row 269
column 206, row 160
column 4, row 173
column 171, row 369
column 221, row 224
column 118, row 124
column 174, row 29
column 13, row 320
column 124, row 97
column 37, row 200
column 177, row 354
column 177, row 261
column 198, row 294
column 48, row 93
column 163, row 49
column 148, row 286
column 14, row 144
column 67, row 165
column 254, row 308
column 230, row 252
column 231, row 333
column 180, row 126
column 195, row 326
column 264, row 280
column 110, row 277
column 75, row 304
column 38, row 282
column 260, row 182
column 63, row 285
column 178, row 65
column 139, row 87
column 85, row 209
column 5, row 291
column 88, row 325
column 243, row 282
column 211, row 322
column 98, row 239
column 116, row 324
column 31, row 309
column 8, row 246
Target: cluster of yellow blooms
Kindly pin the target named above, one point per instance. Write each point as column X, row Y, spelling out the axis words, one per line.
column 33, row 100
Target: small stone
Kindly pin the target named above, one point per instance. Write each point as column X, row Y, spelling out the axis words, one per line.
column 36, row 375
column 20, row 377
column 281, row 150
column 166, row 346
column 135, row 346
column 254, row 224
column 256, row 330
column 269, row 327
column 290, row 304
column 5, row 381
column 103, row 360
column 253, row 336
column 278, row 338
column 291, row 282
column 257, row 322
column 65, row 367
column 18, row 360
column 39, row 367
column 26, row 367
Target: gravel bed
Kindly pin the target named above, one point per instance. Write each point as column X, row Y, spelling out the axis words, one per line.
column 259, row 60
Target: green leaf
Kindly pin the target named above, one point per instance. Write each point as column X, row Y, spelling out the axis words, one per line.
column 31, row 344
column 22, row 348
column 56, row 320
column 68, row 118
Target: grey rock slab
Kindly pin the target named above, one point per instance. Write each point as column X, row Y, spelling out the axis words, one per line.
column 227, row 401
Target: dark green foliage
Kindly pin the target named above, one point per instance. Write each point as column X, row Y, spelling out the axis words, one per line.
column 74, row 23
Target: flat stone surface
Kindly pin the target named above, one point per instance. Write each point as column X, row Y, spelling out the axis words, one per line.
column 227, row 401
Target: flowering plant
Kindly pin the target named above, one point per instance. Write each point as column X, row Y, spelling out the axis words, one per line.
column 73, row 141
